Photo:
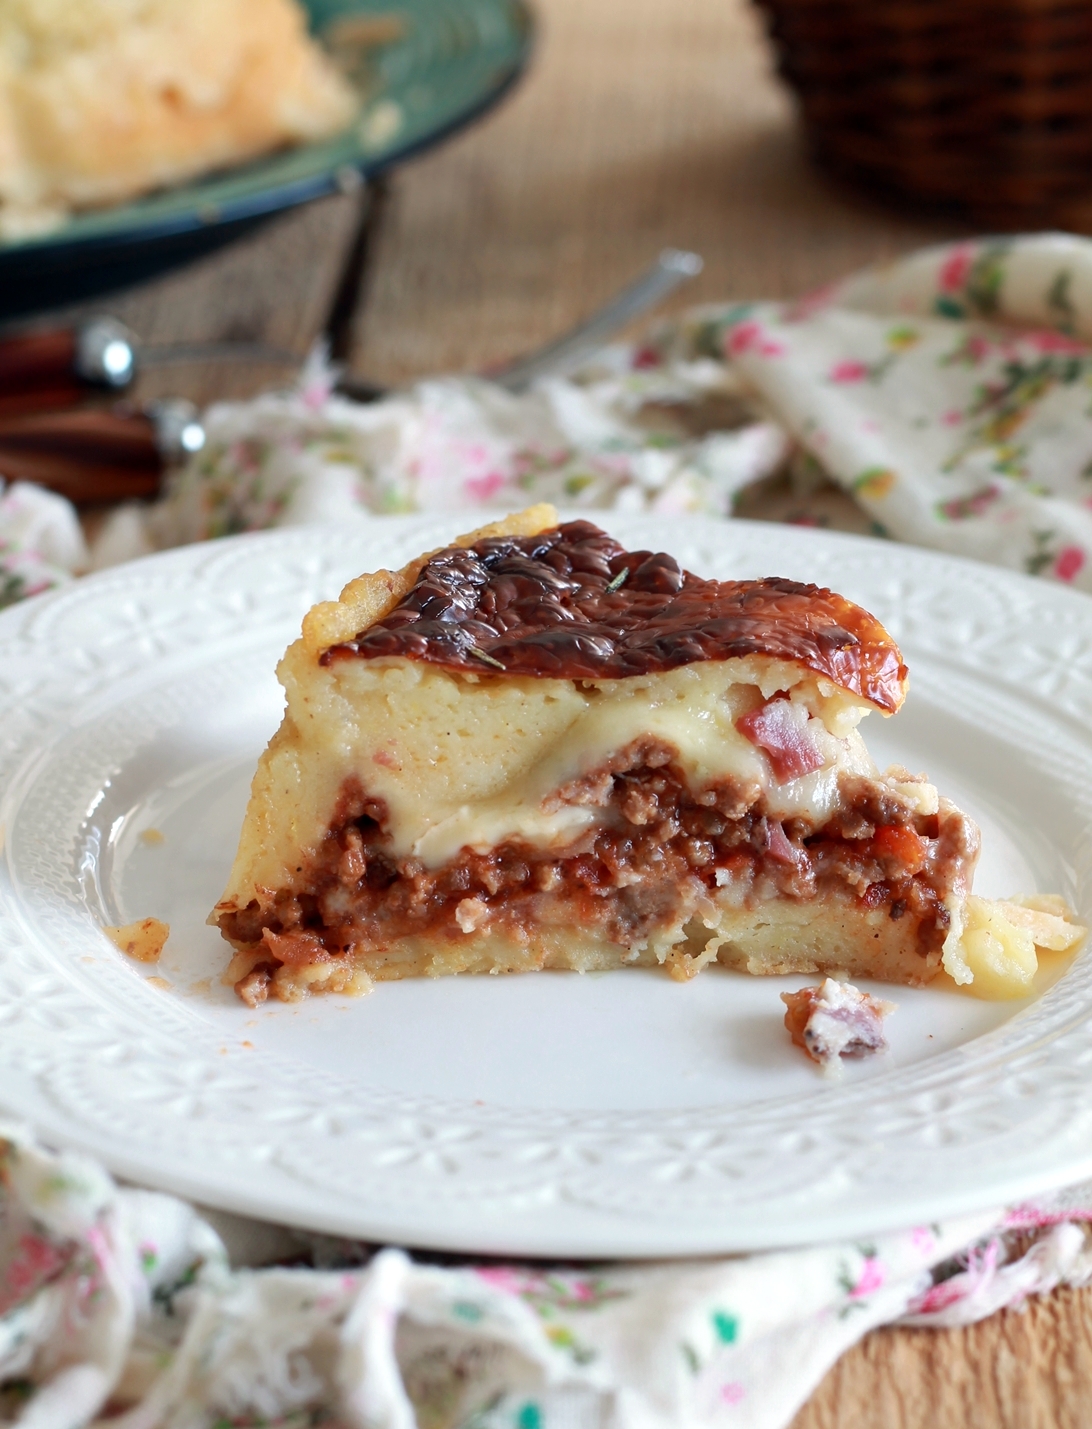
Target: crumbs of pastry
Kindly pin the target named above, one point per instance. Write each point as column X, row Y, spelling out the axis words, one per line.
column 254, row 976
column 836, row 1020
column 142, row 941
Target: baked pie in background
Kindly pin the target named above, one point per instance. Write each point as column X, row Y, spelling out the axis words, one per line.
column 102, row 100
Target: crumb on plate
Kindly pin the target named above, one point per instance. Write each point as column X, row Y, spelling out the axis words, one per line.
column 836, row 1020
column 142, row 940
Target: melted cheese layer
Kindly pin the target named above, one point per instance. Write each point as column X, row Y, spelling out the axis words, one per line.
column 461, row 760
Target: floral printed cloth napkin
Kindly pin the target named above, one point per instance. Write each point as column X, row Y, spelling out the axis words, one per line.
column 951, row 396
column 121, row 1307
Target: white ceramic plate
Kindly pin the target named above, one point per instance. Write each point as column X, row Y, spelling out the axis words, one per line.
column 619, row 1114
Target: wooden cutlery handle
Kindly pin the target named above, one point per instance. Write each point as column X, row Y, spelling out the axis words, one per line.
column 38, row 372
column 91, row 456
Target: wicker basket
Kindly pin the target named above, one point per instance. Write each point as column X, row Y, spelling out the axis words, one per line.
column 981, row 105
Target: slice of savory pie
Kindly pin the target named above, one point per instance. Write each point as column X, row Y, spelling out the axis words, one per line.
column 535, row 749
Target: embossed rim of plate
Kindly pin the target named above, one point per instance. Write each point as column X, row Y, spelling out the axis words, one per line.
column 991, row 1122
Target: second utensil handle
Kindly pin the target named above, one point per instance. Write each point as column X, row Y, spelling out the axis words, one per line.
column 89, row 456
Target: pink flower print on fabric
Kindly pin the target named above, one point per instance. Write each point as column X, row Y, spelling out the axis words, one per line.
column 848, row 371
column 981, row 1266
column 246, row 455
column 810, row 304
column 732, row 1393
column 870, row 1280
column 1068, row 563
column 923, row 1240
column 581, row 1292
column 96, row 1270
column 35, row 1262
column 956, row 268
column 1048, row 341
column 502, row 1278
column 444, row 459
column 481, row 488
column 1033, row 1218
column 315, row 394
column 939, row 1297
column 961, row 508
column 977, row 348
column 752, row 337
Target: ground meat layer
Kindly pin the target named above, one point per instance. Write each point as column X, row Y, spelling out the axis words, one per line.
column 661, row 853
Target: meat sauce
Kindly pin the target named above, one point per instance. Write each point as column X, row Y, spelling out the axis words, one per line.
column 660, row 847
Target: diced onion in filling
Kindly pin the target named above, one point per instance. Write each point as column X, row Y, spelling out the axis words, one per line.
column 780, row 728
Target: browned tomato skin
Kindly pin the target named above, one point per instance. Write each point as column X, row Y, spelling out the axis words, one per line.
column 571, row 603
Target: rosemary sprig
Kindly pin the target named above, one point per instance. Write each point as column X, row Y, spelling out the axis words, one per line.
column 619, row 581
column 481, row 655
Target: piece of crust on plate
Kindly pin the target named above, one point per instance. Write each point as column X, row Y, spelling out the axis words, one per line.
column 536, row 749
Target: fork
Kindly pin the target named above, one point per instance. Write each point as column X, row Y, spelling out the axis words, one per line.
column 94, row 456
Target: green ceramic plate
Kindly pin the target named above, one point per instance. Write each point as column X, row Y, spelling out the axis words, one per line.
column 446, row 62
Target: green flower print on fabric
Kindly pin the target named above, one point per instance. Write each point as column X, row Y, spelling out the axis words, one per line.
column 235, row 489
column 20, row 577
column 875, row 482
column 1059, row 302
column 549, row 1294
column 164, row 1296
column 899, row 340
column 858, row 1284
column 709, row 336
column 1006, row 404
column 726, row 1327
column 12, row 588
column 1064, row 562
column 970, row 280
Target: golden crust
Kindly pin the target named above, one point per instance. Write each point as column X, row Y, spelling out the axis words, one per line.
column 370, row 597
column 828, row 937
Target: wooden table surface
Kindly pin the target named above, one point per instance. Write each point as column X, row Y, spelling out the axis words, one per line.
column 641, row 124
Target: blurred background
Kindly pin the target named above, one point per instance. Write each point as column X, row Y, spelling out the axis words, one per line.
column 637, row 125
